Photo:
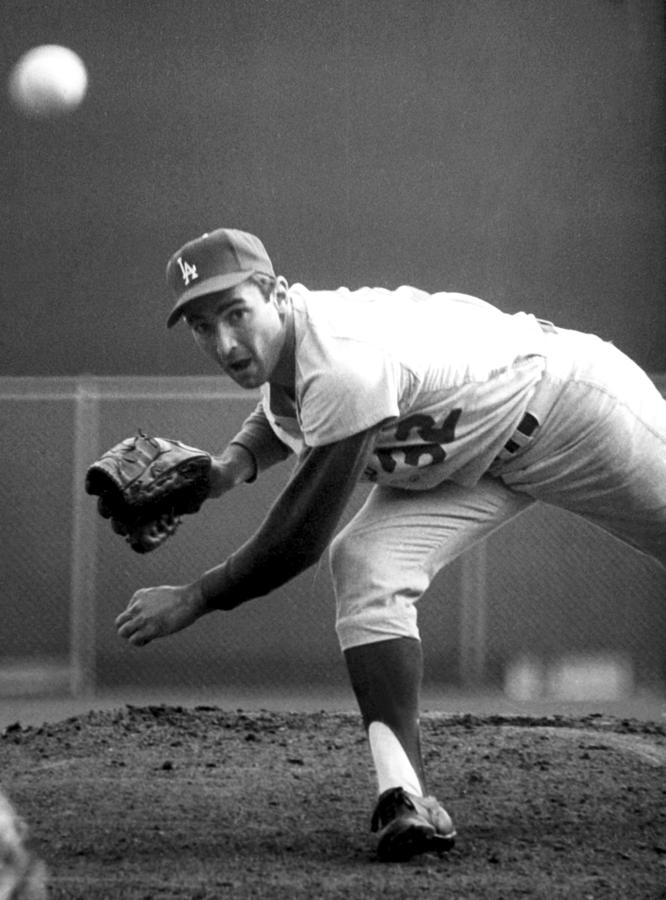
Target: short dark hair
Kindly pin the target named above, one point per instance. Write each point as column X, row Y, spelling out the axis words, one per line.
column 265, row 283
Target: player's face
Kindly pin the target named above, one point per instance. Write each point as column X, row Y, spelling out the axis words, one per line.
column 241, row 330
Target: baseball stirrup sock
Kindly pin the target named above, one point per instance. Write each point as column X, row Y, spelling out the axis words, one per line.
column 386, row 678
column 392, row 764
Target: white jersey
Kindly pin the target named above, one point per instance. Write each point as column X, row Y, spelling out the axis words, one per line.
column 449, row 376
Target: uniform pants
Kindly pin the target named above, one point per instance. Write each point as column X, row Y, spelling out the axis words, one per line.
column 599, row 451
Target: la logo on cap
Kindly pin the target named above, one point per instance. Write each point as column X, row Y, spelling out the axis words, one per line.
column 188, row 271
column 213, row 262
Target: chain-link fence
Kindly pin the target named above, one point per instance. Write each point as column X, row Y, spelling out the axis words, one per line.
column 545, row 589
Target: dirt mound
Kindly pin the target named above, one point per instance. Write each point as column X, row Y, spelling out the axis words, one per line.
column 168, row 802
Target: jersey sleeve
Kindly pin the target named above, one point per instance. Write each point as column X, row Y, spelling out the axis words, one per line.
column 358, row 388
column 260, row 440
column 298, row 528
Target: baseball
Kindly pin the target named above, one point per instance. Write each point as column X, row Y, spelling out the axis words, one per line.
column 49, row 80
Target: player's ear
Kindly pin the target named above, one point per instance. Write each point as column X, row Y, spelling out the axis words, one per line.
column 280, row 291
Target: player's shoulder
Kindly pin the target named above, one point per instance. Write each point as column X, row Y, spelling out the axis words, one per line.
column 344, row 303
column 307, row 295
column 374, row 314
column 404, row 293
column 340, row 338
column 332, row 309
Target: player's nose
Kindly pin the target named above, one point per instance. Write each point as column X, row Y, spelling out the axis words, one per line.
column 225, row 340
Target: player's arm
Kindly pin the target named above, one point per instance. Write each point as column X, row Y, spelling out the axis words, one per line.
column 298, row 528
column 255, row 448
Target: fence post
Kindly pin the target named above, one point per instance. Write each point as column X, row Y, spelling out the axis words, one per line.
column 473, row 616
column 84, row 543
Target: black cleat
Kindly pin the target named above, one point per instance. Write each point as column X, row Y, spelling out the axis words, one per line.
column 408, row 825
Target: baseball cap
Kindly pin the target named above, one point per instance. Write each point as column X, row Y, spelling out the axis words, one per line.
column 214, row 262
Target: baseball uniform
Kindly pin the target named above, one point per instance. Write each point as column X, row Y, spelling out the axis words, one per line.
column 461, row 415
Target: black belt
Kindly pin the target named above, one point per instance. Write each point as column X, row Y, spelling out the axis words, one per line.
column 526, row 427
column 529, row 423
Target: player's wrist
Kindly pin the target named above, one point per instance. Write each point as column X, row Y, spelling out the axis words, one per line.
column 235, row 466
column 195, row 600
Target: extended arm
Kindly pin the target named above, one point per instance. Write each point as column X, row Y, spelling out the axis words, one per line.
column 294, row 534
column 298, row 527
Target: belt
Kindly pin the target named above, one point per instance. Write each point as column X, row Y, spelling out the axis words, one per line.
column 519, row 439
column 529, row 422
column 525, row 429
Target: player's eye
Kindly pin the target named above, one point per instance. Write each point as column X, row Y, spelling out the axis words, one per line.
column 200, row 327
column 235, row 316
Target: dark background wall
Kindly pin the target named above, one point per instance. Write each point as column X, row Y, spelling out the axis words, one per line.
column 547, row 585
column 507, row 148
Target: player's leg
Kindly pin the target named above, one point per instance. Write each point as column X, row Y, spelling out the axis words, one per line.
column 382, row 562
column 601, row 451
column 386, row 677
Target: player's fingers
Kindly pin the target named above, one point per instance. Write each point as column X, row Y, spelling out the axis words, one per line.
column 127, row 629
column 129, row 612
column 129, row 621
column 139, row 639
column 135, row 627
column 136, row 632
column 128, row 624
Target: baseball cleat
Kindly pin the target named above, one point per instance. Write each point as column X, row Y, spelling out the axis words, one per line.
column 408, row 825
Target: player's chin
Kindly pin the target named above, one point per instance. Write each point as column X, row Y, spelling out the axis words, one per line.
column 248, row 375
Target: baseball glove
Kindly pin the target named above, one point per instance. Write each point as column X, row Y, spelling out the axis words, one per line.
column 146, row 484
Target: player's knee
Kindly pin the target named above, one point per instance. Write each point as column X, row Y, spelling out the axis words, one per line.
column 349, row 559
column 374, row 599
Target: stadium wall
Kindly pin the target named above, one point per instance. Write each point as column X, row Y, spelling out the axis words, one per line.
column 545, row 586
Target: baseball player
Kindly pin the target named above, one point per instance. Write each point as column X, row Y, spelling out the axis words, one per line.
column 459, row 414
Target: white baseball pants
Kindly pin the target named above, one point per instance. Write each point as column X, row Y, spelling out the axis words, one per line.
column 600, row 452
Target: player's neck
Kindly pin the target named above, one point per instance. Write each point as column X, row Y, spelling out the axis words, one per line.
column 284, row 373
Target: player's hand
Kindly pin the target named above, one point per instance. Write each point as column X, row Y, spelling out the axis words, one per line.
column 155, row 612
